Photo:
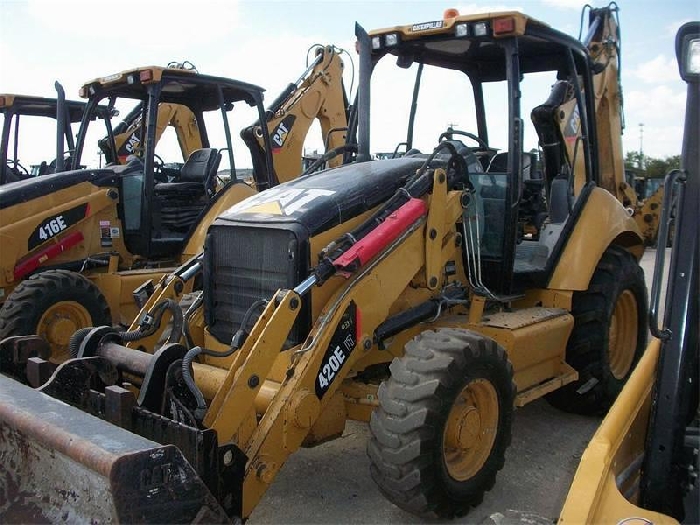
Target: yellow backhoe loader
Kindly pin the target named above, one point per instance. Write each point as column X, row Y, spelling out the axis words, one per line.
column 63, row 113
column 400, row 292
column 76, row 245
column 642, row 464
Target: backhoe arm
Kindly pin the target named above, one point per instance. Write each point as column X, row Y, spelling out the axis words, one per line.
column 179, row 117
column 318, row 94
column 603, row 44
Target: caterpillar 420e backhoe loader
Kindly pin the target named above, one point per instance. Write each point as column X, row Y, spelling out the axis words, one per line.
column 76, row 245
column 398, row 292
column 642, row 464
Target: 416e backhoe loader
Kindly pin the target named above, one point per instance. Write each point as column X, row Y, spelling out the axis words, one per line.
column 400, row 292
column 76, row 245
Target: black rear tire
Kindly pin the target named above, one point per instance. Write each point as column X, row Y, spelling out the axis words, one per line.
column 443, row 423
column 609, row 335
column 54, row 304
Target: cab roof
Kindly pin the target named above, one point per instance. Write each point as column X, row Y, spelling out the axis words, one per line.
column 435, row 42
column 39, row 106
column 179, row 86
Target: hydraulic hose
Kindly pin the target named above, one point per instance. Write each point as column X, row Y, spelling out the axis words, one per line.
column 191, row 385
column 152, row 322
column 76, row 339
column 236, row 342
column 415, row 187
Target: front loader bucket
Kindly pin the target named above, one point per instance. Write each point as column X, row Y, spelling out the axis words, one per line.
column 59, row 464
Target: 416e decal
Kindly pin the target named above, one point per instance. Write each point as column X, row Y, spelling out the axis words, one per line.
column 52, row 226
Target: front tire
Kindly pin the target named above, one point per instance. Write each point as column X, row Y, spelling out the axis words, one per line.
column 443, row 423
column 609, row 335
column 54, row 304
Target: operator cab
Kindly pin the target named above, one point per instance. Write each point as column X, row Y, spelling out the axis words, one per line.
column 512, row 90
column 173, row 152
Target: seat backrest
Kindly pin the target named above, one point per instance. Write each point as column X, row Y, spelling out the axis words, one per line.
column 499, row 163
column 545, row 118
column 200, row 165
column 559, row 201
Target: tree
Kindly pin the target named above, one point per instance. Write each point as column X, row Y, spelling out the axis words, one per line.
column 652, row 167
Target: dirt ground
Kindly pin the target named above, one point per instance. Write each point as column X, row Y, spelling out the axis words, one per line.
column 331, row 483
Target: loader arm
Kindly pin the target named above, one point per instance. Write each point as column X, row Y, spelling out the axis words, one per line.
column 342, row 335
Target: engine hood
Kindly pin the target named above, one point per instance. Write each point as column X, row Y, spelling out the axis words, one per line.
column 320, row 201
column 26, row 190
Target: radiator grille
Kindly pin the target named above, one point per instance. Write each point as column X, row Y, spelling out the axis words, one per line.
column 244, row 265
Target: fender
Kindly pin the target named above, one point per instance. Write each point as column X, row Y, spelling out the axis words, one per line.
column 603, row 222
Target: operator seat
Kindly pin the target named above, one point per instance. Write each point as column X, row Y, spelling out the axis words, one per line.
column 197, row 176
column 545, row 118
column 179, row 204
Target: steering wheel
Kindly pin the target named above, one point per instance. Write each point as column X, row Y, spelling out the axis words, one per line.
column 158, row 169
column 479, row 140
column 19, row 167
column 158, row 162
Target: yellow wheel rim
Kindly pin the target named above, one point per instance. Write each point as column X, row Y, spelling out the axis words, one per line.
column 471, row 429
column 623, row 335
column 58, row 324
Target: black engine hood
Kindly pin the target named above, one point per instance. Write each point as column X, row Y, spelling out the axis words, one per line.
column 320, row 201
column 26, row 190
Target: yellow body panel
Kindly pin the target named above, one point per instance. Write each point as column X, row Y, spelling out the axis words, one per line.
column 446, row 25
column 595, row 496
column 601, row 224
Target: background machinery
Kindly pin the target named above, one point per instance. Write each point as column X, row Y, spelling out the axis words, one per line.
column 399, row 292
column 318, row 95
column 117, row 224
column 642, row 463
column 18, row 108
column 88, row 238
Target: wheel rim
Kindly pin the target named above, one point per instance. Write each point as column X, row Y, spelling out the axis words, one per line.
column 623, row 335
column 58, row 324
column 471, row 429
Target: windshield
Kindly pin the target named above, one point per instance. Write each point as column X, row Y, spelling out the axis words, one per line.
column 178, row 132
column 31, row 143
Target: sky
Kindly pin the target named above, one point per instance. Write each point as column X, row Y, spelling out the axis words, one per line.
column 265, row 42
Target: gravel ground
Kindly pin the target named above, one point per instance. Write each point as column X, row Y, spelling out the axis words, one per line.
column 331, row 483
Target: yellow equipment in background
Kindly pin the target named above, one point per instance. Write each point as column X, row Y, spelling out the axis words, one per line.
column 77, row 245
column 15, row 110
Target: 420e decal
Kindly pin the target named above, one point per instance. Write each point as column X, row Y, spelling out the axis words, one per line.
column 342, row 344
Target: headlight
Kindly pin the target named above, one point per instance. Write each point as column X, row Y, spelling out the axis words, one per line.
column 692, row 57
column 391, row 40
column 376, row 42
column 688, row 51
column 461, row 30
column 481, row 29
